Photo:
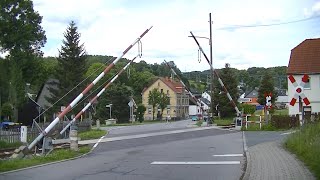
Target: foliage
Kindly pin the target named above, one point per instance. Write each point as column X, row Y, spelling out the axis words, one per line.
column 153, row 100
column 56, row 155
column 223, row 122
column 140, row 112
column 164, row 101
column 20, row 28
column 6, row 145
column 248, row 108
column 284, row 121
column 6, row 110
column 306, row 145
column 91, row 134
column 71, row 68
column 199, row 123
column 118, row 95
column 220, row 97
column 266, row 87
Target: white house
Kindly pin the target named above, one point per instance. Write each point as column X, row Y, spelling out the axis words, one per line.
column 206, row 95
column 305, row 59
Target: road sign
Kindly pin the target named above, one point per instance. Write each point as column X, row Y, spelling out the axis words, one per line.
column 130, row 104
column 299, row 90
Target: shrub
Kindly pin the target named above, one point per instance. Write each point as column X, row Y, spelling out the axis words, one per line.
column 284, row 121
column 248, row 109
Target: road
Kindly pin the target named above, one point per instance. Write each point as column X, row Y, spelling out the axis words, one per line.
column 202, row 154
column 148, row 128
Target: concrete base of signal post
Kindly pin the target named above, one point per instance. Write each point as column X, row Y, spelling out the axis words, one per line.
column 74, row 139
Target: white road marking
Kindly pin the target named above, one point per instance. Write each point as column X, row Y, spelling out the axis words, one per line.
column 228, row 155
column 98, row 142
column 288, row 133
column 195, row 162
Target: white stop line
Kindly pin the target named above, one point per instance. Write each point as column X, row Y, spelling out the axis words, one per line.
column 195, row 162
column 228, row 155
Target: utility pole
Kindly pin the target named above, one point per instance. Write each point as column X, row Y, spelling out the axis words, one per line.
column 211, row 84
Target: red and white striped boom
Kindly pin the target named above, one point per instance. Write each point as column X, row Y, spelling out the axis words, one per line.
column 85, row 91
column 219, row 79
column 193, row 97
column 98, row 95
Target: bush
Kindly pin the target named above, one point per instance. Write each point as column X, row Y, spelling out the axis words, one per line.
column 284, row 121
column 140, row 112
column 6, row 110
column 248, row 109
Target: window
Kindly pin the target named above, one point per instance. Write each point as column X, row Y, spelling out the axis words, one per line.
column 161, row 90
column 307, row 85
column 168, row 92
column 149, row 110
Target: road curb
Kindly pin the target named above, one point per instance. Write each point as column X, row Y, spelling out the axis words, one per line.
column 246, row 173
column 55, row 162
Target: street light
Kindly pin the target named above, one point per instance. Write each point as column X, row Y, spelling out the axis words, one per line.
column 109, row 106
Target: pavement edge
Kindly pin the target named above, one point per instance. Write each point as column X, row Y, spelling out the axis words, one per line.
column 246, row 173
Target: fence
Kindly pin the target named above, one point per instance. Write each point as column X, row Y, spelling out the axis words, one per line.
column 12, row 135
column 252, row 122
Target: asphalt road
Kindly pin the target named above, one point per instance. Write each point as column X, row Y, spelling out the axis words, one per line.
column 257, row 137
column 148, row 128
column 148, row 158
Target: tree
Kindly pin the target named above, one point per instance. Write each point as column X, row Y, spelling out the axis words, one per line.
column 153, row 99
column 20, row 27
column 140, row 112
column 118, row 95
column 266, row 87
column 6, row 111
column 70, row 69
column 21, row 37
column 220, row 97
column 164, row 101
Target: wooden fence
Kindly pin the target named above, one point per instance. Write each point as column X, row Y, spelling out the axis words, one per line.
column 12, row 135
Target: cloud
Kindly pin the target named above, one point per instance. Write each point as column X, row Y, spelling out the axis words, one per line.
column 109, row 27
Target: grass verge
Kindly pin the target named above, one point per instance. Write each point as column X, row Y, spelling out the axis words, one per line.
column 91, row 134
column 6, row 145
column 306, row 145
column 223, row 122
column 199, row 123
column 56, row 155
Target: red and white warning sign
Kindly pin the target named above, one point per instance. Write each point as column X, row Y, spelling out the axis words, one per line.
column 299, row 90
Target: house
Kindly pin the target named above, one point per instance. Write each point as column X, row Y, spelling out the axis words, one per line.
column 282, row 100
column 305, row 59
column 249, row 97
column 206, row 95
column 179, row 99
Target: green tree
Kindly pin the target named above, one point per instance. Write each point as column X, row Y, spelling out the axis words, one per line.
column 6, row 110
column 164, row 101
column 118, row 95
column 153, row 100
column 21, row 37
column 70, row 69
column 266, row 87
column 20, row 27
column 140, row 112
column 220, row 97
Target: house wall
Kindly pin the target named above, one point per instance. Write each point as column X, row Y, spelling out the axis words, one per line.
column 173, row 100
column 206, row 95
column 312, row 93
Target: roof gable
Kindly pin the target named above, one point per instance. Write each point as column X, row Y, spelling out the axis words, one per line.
column 171, row 84
column 305, row 58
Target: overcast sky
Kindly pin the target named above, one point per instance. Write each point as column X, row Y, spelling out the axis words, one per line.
column 108, row 27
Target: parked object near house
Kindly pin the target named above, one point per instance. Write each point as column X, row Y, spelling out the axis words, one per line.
column 305, row 59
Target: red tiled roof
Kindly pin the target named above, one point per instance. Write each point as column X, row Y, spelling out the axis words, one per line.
column 175, row 86
column 305, row 58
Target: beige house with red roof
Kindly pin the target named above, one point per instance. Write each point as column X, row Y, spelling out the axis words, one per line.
column 179, row 99
column 305, row 59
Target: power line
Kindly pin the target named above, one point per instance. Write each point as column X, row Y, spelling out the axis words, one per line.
column 266, row 25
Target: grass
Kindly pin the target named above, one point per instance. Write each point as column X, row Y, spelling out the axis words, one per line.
column 56, row 155
column 281, row 112
column 306, row 145
column 199, row 123
column 6, row 145
column 222, row 122
column 91, row 134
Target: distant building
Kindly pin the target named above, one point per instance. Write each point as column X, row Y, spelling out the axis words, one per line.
column 179, row 99
column 249, row 97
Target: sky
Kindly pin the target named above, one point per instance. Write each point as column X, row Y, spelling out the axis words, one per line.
column 108, row 27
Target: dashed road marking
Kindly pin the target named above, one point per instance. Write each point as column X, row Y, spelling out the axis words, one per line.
column 195, row 162
column 228, row 155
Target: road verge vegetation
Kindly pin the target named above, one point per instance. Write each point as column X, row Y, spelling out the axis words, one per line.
column 91, row 134
column 305, row 143
column 32, row 160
